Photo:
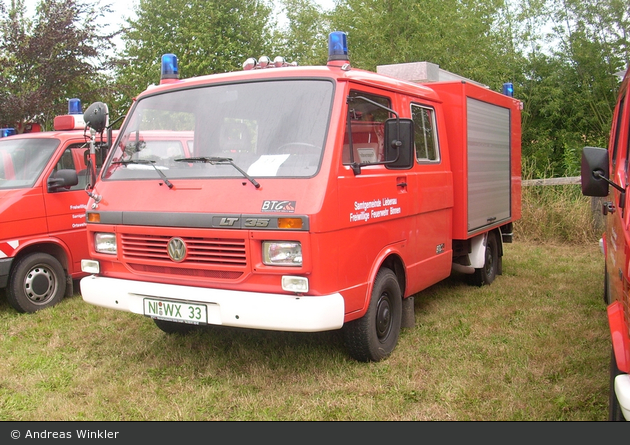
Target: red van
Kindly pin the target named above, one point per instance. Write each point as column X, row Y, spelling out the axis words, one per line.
column 602, row 168
column 43, row 176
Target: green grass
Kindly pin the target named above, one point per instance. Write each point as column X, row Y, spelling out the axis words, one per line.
column 533, row 346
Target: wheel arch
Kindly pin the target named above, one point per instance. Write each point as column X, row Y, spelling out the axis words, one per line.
column 60, row 252
column 57, row 250
column 391, row 258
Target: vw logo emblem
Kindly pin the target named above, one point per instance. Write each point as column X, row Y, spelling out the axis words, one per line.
column 176, row 249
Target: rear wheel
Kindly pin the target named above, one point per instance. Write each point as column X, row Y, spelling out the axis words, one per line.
column 37, row 281
column 614, row 409
column 173, row 327
column 374, row 336
column 487, row 273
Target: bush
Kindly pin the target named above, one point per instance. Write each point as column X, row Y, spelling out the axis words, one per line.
column 558, row 214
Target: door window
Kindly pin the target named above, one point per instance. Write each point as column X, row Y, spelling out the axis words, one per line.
column 425, row 134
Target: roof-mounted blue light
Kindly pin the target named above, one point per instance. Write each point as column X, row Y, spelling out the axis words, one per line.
column 337, row 46
column 4, row 132
column 508, row 89
column 169, row 67
column 74, row 106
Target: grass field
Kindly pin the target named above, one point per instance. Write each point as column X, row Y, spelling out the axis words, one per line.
column 534, row 345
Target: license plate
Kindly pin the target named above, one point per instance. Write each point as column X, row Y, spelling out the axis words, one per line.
column 176, row 311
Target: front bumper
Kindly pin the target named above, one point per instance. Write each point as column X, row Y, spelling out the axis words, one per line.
column 622, row 391
column 277, row 312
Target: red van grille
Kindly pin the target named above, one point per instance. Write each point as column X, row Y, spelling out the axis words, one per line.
column 200, row 251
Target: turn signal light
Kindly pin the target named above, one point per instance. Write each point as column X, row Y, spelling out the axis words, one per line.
column 289, row 223
column 94, row 217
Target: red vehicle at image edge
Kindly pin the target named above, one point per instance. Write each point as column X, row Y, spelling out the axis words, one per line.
column 43, row 176
column 601, row 168
column 314, row 198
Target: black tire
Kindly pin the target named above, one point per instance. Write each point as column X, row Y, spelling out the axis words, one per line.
column 173, row 327
column 487, row 273
column 614, row 409
column 37, row 281
column 374, row 336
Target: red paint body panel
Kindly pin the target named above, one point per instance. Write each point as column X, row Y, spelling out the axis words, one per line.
column 616, row 238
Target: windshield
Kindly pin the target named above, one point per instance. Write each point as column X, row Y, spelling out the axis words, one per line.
column 255, row 129
column 22, row 160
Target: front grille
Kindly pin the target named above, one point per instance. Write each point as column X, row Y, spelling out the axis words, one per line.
column 207, row 258
column 201, row 251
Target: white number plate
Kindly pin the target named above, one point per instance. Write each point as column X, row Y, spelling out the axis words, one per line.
column 176, row 311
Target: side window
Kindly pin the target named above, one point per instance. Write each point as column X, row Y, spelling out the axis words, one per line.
column 366, row 127
column 617, row 128
column 425, row 133
column 66, row 162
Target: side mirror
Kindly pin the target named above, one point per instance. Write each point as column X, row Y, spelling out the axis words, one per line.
column 399, row 143
column 61, row 179
column 594, row 171
column 96, row 116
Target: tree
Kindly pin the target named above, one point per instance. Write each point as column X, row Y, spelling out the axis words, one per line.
column 206, row 36
column 571, row 88
column 50, row 59
column 305, row 36
column 457, row 35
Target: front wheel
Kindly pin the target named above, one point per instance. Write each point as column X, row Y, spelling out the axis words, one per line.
column 374, row 336
column 37, row 281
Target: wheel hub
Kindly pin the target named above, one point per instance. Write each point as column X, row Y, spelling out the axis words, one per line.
column 383, row 317
column 39, row 285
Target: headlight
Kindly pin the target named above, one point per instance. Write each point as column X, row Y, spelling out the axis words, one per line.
column 105, row 243
column 282, row 253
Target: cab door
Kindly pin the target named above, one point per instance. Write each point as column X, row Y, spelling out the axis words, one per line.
column 373, row 200
column 66, row 206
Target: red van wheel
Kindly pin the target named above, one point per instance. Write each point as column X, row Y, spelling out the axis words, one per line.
column 374, row 336
column 37, row 281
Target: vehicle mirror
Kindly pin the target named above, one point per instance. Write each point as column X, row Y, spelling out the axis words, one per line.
column 96, row 116
column 62, row 178
column 399, row 143
column 594, row 171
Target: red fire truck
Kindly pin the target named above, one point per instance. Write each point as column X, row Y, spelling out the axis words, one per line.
column 601, row 168
column 315, row 198
column 43, row 176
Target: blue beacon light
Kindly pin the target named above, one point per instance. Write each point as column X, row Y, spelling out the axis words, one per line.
column 337, row 46
column 508, row 89
column 74, row 106
column 4, row 132
column 169, row 67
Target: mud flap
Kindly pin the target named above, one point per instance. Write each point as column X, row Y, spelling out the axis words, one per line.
column 408, row 313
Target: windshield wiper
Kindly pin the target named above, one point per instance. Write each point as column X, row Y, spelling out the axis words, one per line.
column 220, row 161
column 147, row 162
